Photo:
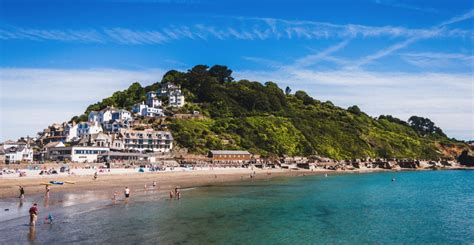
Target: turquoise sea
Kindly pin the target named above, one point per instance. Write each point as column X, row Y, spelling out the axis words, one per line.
column 428, row 207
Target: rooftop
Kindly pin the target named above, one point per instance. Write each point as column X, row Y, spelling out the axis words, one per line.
column 229, row 152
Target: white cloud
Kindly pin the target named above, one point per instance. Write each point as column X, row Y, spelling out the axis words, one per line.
column 247, row 28
column 31, row 99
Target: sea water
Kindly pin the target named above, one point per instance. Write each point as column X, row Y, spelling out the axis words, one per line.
column 428, row 207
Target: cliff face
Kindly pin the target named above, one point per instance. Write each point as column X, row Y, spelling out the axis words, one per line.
column 467, row 158
column 266, row 120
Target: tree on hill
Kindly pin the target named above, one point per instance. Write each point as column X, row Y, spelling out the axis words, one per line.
column 303, row 96
column 354, row 110
column 221, row 73
column 424, row 126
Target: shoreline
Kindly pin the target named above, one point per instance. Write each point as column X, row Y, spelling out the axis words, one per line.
column 165, row 180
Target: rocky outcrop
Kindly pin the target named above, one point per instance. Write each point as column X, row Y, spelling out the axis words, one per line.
column 466, row 158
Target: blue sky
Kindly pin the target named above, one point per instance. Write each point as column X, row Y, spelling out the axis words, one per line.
column 389, row 57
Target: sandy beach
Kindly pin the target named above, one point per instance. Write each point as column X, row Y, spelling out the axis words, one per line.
column 117, row 179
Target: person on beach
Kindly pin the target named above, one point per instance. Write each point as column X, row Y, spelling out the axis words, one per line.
column 95, row 175
column 178, row 195
column 33, row 214
column 48, row 189
column 49, row 219
column 127, row 192
column 115, row 196
column 22, row 192
column 171, row 194
column 154, row 184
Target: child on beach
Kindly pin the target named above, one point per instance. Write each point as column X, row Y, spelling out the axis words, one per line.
column 171, row 195
column 49, row 219
column 115, row 196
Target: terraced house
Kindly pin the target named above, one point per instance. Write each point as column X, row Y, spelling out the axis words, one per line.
column 147, row 140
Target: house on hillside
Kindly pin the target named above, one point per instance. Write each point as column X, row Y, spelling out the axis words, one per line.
column 152, row 100
column 168, row 87
column 148, row 139
column 176, row 99
column 146, row 111
column 53, row 133
column 112, row 141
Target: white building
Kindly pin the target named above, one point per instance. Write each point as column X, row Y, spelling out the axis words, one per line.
column 121, row 115
column 152, row 100
column 17, row 153
column 83, row 154
column 84, row 128
column 148, row 139
column 146, row 111
column 115, row 126
column 176, row 99
column 71, row 132
column 93, row 117
column 166, row 88
column 105, row 114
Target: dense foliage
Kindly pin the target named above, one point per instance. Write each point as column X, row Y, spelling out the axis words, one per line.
column 267, row 120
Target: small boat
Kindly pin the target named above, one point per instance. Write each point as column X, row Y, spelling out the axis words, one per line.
column 56, row 182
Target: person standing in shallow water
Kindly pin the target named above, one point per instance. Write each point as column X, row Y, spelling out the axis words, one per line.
column 47, row 191
column 33, row 214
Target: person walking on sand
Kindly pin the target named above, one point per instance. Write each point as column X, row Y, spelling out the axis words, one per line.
column 48, row 189
column 127, row 192
column 33, row 214
column 154, row 184
column 22, row 192
column 95, row 175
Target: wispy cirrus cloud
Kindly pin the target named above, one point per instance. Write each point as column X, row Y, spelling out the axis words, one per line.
column 238, row 28
column 403, row 5
column 438, row 60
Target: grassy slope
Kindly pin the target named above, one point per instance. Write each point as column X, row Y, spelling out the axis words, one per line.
column 262, row 119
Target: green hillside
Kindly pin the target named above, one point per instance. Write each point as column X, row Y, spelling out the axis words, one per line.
column 264, row 119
